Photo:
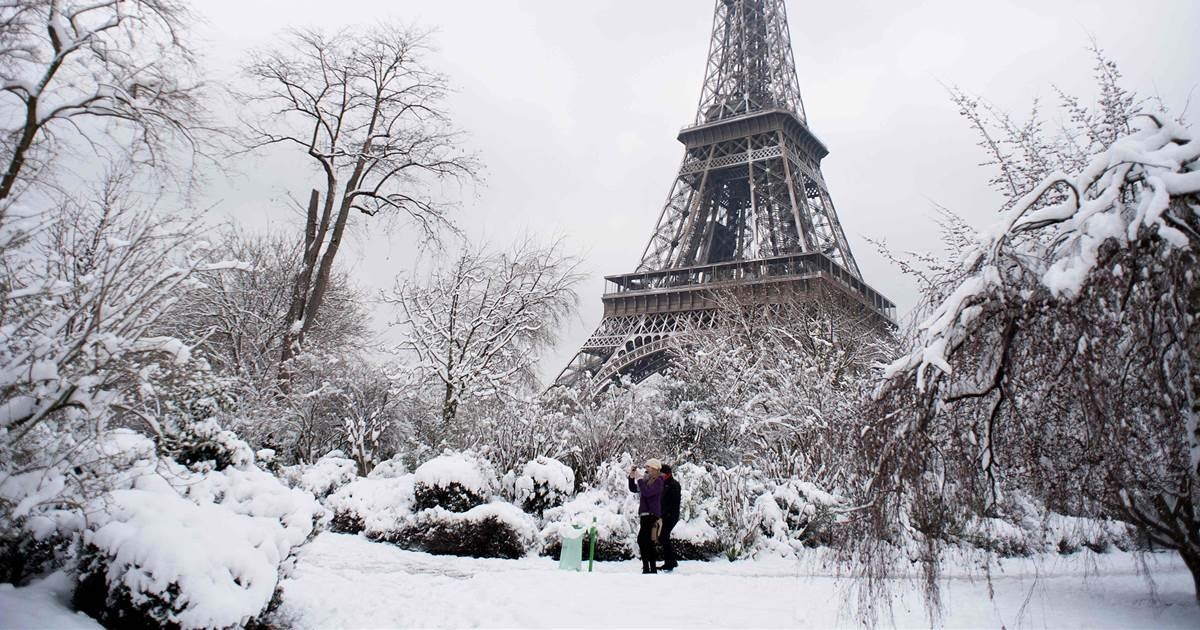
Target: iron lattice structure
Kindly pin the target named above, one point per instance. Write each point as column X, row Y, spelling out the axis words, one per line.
column 749, row 211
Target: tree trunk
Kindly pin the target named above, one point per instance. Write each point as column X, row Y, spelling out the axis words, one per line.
column 449, row 405
column 293, row 336
column 1192, row 560
column 21, row 148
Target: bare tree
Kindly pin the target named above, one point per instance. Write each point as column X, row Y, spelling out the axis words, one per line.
column 88, row 67
column 477, row 324
column 236, row 319
column 367, row 110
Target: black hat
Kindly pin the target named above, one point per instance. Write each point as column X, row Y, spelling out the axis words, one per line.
column 666, row 468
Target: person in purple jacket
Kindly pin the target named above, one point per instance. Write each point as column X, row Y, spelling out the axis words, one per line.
column 650, row 491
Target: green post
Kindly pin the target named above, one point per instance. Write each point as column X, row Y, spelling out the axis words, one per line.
column 592, row 544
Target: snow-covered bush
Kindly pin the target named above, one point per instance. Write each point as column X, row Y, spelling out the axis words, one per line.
column 389, row 469
column 164, row 543
column 1057, row 533
column 329, row 473
column 153, row 558
column 491, row 530
column 42, row 507
column 614, row 519
column 456, row 481
column 544, row 483
column 696, row 540
column 379, row 507
column 205, row 444
column 794, row 514
column 1069, row 534
column 741, row 512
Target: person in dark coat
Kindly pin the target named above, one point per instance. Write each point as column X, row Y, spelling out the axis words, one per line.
column 672, row 495
column 649, row 489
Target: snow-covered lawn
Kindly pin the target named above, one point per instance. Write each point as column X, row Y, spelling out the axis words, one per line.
column 348, row 581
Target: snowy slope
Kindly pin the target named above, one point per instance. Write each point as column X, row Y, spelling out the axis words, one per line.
column 347, row 581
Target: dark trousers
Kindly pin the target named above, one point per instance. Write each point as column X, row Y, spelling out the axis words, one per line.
column 645, row 538
column 665, row 539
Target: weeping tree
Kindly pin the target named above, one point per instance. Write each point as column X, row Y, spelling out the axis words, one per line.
column 1064, row 362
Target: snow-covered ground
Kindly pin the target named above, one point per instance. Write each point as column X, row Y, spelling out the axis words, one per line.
column 347, row 581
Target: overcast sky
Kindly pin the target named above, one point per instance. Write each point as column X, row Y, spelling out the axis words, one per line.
column 574, row 105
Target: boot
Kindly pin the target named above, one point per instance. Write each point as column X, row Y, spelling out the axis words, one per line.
column 645, row 567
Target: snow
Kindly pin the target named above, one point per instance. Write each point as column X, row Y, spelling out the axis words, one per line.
column 1155, row 165
column 384, row 504
column 386, row 470
column 43, row 604
column 521, row 523
column 613, row 519
column 224, row 565
column 550, row 477
column 328, row 474
column 347, row 581
column 471, row 472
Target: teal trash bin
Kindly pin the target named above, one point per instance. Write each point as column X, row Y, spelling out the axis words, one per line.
column 571, row 556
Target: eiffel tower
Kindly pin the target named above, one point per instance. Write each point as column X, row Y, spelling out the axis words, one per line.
column 749, row 211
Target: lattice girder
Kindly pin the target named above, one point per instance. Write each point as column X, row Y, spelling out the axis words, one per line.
column 750, row 64
column 748, row 197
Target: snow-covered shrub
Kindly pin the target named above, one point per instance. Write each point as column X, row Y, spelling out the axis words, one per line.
column 793, row 514
column 377, row 507
column 41, row 509
column 1052, row 533
column 614, row 519
column 454, row 480
column 745, row 514
column 205, row 444
column 696, row 540
column 389, row 469
column 185, row 546
column 543, row 483
column 323, row 477
column 1069, row 534
column 491, row 530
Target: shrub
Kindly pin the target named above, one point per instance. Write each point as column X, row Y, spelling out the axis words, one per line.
column 378, row 508
column 544, row 483
column 324, row 477
column 389, row 469
column 204, row 446
column 187, row 548
column 493, row 530
column 455, row 481
column 153, row 558
column 696, row 540
column 27, row 550
column 616, row 538
column 793, row 514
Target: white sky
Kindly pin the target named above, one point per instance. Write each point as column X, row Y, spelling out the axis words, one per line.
column 574, row 105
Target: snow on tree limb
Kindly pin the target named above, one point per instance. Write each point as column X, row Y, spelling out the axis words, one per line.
column 1123, row 193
